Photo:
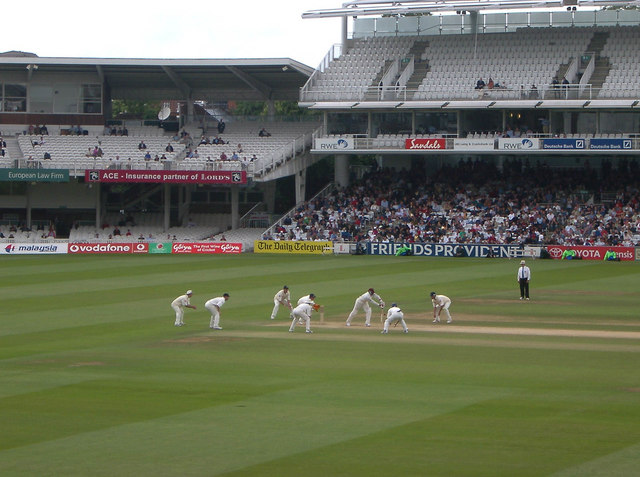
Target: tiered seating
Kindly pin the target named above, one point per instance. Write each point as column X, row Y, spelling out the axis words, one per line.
column 149, row 228
column 622, row 49
column 268, row 151
column 349, row 76
column 526, row 57
column 74, row 152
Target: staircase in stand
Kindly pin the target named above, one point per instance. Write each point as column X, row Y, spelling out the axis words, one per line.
column 602, row 65
column 421, row 67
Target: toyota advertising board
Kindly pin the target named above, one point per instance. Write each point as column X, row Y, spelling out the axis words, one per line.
column 592, row 253
column 416, row 144
column 33, row 248
column 518, row 144
column 206, row 247
column 341, row 143
column 109, row 247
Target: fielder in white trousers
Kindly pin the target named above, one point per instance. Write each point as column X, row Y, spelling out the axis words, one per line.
column 213, row 306
column 362, row 302
column 394, row 314
column 179, row 304
column 303, row 313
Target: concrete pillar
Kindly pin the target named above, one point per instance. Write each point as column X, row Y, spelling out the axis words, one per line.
column 167, row 207
column 97, row 187
column 269, row 195
column 235, row 208
column 28, row 204
column 271, row 109
column 301, row 184
column 341, row 170
column 344, row 33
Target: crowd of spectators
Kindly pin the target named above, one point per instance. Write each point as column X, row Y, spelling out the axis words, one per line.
column 475, row 202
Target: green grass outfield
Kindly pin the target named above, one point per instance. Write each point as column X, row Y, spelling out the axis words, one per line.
column 96, row 381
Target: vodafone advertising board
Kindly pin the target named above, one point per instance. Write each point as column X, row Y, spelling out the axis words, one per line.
column 206, row 247
column 108, row 248
column 592, row 253
column 425, row 144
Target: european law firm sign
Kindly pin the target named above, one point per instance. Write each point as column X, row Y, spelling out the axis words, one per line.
column 34, row 175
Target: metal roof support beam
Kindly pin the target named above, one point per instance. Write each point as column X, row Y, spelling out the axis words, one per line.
column 257, row 85
column 184, row 88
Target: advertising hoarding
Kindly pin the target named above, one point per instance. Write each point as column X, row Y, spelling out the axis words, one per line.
column 292, row 246
column 335, row 143
column 167, row 177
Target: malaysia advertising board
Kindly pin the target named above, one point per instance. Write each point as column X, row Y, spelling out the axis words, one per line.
column 342, row 143
column 206, row 247
column 592, row 253
column 110, row 248
column 518, row 144
column 443, row 250
column 431, row 144
column 33, row 248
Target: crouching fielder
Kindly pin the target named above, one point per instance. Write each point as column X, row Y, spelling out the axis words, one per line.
column 213, row 306
column 179, row 304
column 303, row 312
column 362, row 302
column 283, row 297
column 440, row 303
column 394, row 314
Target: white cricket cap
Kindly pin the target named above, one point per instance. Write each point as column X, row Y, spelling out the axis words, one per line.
column 522, row 262
column 189, row 292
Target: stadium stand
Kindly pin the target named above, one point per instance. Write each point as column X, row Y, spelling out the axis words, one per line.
column 452, row 64
column 474, row 202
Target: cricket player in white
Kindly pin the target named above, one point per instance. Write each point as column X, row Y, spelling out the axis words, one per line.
column 302, row 312
column 440, row 303
column 362, row 302
column 394, row 314
column 309, row 299
column 281, row 298
column 213, row 306
column 179, row 304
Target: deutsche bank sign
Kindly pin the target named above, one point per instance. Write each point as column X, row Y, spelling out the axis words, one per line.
column 335, row 143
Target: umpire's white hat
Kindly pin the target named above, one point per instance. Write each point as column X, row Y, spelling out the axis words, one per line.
column 522, row 262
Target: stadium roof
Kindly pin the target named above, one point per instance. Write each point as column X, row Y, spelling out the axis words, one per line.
column 163, row 79
column 404, row 7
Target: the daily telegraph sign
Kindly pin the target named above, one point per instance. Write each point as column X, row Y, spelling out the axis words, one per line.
column 442, row 250
column 335, row 144
column 167, row 177
column 416, row 144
